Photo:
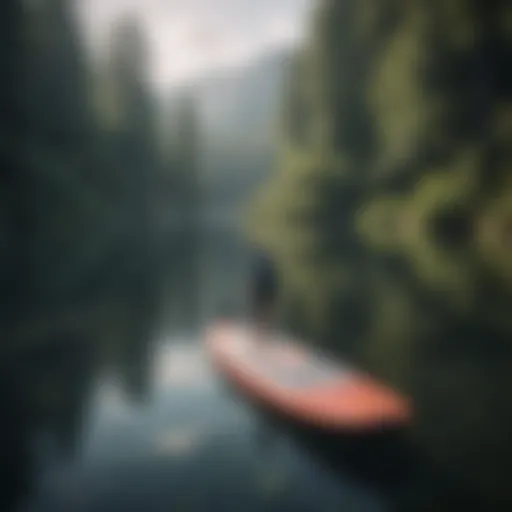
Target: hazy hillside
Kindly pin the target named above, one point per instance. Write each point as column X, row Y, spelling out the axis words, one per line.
column 239, row 110
column 240, row 106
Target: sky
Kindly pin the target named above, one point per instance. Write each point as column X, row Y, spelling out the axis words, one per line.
column 187, row 38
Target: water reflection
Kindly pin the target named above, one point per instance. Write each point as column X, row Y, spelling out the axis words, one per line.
column 176, row 443
column 124, row 413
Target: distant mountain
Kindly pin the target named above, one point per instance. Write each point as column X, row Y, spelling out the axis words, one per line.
column 240, row 110
column 242, row 105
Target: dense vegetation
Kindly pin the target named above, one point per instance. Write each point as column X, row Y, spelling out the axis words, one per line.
column 91, row 179
column 88, row 175
column 390, row 214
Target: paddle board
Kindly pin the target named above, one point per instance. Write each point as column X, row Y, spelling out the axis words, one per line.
column 301, row 384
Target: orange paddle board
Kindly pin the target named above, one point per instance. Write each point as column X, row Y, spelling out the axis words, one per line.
column 302, row 385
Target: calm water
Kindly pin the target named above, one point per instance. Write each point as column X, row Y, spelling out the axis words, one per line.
column 189, row 447
column 131, row 416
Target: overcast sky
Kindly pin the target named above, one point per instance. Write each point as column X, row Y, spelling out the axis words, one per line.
column 189, row 37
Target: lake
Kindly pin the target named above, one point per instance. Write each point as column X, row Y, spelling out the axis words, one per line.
column 128, row 415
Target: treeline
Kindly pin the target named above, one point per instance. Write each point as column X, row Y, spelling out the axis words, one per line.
column 88, row 178
column 390, row 215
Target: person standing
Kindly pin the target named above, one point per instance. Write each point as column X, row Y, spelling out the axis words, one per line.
column 264, row 292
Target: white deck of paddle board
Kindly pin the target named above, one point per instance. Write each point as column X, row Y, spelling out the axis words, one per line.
column 283, row 362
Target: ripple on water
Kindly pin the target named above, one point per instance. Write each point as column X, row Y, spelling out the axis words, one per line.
column 179, row 443
column 182, row 367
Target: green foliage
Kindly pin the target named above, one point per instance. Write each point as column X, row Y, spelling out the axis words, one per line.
column 390, row 211
column 83, row 176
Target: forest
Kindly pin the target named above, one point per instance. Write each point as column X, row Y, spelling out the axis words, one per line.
column 389, row 211
column 90, row 171
column 389, row 215
column 97, row 190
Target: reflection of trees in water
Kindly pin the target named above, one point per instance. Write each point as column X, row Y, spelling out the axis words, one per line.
column 50, row 375
column 42, row 396
column 182, row 295
column 53, row 362
column 86, row 194
column 224, row 267
column 15, row 465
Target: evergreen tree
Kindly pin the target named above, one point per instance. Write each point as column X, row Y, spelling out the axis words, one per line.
column 390, row 223
column 13, row 215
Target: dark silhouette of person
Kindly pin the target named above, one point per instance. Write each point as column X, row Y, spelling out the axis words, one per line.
column 264, row 290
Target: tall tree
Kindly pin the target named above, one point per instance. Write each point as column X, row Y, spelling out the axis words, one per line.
column 134, row 138
column 57, row 80
column 13, row 217
column 391, row 224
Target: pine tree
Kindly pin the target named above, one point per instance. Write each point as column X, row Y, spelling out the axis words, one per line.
column 391, row 223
